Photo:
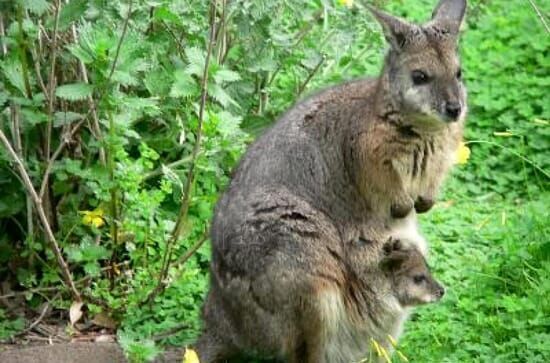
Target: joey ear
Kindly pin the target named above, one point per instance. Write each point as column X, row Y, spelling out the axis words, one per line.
column 392, row 245
column 450, row 13
column 393, row 261
column 396, row 30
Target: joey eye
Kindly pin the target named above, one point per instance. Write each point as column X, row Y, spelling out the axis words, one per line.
column 418, row 279
column 459, row 74
column 419, row 77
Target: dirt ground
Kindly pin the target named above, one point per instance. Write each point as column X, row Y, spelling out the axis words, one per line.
column 74, row 353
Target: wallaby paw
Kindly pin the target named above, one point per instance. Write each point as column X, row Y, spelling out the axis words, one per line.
column 423, row 204
column 401, row 209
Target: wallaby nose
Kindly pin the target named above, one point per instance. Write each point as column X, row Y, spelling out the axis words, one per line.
column 453, row 109
column 440, row 292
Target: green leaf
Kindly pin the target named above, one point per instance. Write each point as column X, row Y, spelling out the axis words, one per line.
column 219, row 94
column 228, row 124
column 38, row 7
column 225, row 75
column 33, row 117
column 164, row 14
column 3, row 98
column 195, row 57
column 87, row 252
column 65, row 118
column 184, row 85
column 14, row 74
column 74, row 91
column 72, row 12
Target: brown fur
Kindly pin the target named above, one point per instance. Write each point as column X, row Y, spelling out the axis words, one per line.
column 297, row 238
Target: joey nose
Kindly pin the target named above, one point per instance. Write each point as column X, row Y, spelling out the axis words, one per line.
column 440, row 292
column 452, row 109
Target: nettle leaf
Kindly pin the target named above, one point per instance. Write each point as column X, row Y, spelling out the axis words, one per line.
column 33, row 117
column 219, row 94
column 95, row 43
column 158, row 82
column 72, row 12
column 84, row 55
column 12, row 71
column 195, row 57
column 184, row 85
column 3, row 98
column 75, row 91
column 65, row 118
column 164, row 14
column 229, row 124
column 38, row 7
column 87, row 252
column 226, row 76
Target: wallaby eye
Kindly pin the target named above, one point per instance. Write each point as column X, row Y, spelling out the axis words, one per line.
column 459, row 74
column 418, row 279
column 419, row 77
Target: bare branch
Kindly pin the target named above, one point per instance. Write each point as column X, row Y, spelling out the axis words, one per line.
column 52, row 81
column 91, row 104
column 65, row 139
column 186, row 197
column 181, row 261
column 42, row 215
column 119, row 45
column 2, row 36
column 310, row 76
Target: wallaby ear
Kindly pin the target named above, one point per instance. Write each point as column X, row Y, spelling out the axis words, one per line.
column 396, row 30
column 450, row 13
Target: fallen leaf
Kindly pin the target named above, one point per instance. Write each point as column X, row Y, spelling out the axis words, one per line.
column 75, row 312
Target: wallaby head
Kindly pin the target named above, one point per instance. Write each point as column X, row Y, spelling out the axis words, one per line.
column 422, row 74
column 411, row 279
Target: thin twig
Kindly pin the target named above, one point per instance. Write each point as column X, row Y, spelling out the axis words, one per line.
column 169, row 332
column 46, row 309
column 40, row 210
column 52, row 83
column 159, row 171
column 81, row 281
column 310, row 76
column 162, row 285
column 119, row 45
column 23, row 53
column 541, row 17
column 65, row 139
column 191, row 251
column 92, row 111
column 96, row 129
column 2, row 36
column 17, row 143
column 186, row 197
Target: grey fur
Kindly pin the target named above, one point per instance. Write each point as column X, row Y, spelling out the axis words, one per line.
column 298, row 236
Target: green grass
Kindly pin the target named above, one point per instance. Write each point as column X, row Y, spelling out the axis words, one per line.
column 493, row 255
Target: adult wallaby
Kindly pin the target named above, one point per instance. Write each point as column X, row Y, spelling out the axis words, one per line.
column 298, row 236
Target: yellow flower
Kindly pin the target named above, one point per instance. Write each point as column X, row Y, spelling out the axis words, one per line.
column 190, row 356
column 348, row 3
column 93, row 217
column 462, row 153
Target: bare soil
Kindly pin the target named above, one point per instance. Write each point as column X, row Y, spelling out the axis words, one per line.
column 74, row 353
